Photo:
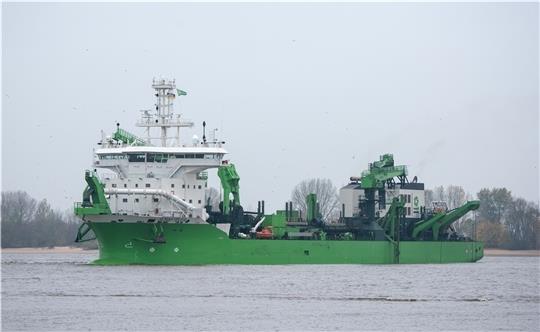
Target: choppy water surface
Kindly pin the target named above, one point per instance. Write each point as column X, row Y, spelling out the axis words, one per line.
column 62, row 292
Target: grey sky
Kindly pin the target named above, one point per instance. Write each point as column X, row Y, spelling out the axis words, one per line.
column 297, row 90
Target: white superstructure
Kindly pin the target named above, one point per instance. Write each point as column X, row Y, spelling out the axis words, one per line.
column 412, row 195
column 163, row 180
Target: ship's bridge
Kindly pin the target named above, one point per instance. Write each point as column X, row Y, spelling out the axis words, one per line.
column 143, row 173
column 148, row 161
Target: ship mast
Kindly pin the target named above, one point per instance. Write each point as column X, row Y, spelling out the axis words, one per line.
column 164, row 117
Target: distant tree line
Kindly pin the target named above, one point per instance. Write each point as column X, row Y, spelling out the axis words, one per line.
column 502, row 221
column 27, row 222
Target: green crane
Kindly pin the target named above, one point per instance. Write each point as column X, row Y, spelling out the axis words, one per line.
column 381, row 172
column 127, row 137
column 230, row 183
column 374, row 179
column 440, row 222
column 94, row 201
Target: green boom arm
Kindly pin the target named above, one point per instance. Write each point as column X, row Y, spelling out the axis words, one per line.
column 390, row 221
column 440, row 222
column 127, row 137
column 229, row 181
column 426, row 224
column 377, row 178
column 94, row 201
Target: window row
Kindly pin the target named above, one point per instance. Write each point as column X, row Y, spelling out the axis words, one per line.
column 147, row 185
column 136, row 200
column 157, row 157
column 406, row 198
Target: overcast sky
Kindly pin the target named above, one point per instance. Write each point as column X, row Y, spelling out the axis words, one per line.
column 296, row 90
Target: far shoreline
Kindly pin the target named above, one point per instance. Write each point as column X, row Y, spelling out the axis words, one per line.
column 513, row 253
column 490, row 252
column 47, row 250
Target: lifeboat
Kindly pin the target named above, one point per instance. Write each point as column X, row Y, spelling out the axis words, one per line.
column 265, row 233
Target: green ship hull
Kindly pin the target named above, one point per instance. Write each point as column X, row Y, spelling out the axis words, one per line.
column 156, row 208
column 201, row 244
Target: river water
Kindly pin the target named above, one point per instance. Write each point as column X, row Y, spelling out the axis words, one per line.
column 63, row 292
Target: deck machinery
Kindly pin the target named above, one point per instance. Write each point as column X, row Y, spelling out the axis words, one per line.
column 383, row 191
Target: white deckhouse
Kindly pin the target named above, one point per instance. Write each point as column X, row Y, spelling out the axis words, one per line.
column 157, row 177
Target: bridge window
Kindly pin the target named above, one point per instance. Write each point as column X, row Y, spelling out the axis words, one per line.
column 181, row 156
column 124, row 200
column 199, row 156
column 136, row 157
column 163, row 158
column 110, row 156
column 156, row 199
column 157, row 157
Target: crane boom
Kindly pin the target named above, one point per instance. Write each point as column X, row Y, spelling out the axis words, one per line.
column 440, row 222
column 381, row 171
column 230, row 183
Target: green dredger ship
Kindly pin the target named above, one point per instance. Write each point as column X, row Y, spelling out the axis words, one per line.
column 147, row 206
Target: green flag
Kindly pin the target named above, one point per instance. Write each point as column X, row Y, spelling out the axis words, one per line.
column 180, row 92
